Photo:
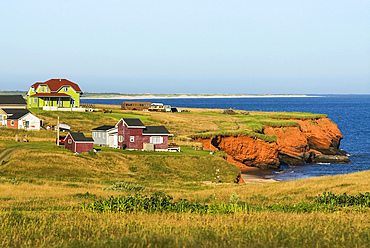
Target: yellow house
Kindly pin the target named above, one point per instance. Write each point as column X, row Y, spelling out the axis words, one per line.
column 54, row 92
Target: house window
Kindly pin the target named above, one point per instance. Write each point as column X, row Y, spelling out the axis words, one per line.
column 132, row 138
column 42, row 89
column 72, row 102
column 103, row 135
column 65, row 89
column 120, row 138
column 29, row 100
column 156, row 139
column 69, row 141
column 99, row 135
column 12, row 123
column 34, row 100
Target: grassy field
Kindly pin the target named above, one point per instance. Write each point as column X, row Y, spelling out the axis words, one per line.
column 43, row 189
column 196, row 122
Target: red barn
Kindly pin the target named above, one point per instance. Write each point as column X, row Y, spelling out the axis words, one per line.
column 77, row 142
column 133, row 134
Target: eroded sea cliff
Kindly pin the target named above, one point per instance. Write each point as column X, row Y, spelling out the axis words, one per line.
column 313, row 140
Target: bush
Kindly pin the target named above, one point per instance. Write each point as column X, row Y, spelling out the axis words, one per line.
column 125, row 186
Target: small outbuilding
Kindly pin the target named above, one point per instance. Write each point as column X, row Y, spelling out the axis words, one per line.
column 77, row 142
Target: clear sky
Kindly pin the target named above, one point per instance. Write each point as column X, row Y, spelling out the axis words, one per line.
column 245, row 47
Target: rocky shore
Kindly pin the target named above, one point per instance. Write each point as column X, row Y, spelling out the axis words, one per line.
column 313, row 141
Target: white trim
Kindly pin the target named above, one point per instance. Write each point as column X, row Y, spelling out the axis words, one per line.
column 153, row 139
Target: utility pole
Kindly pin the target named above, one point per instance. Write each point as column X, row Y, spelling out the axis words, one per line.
column 58, row 132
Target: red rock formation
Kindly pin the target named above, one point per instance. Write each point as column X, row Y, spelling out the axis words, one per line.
column 314, row 140
column 322, row 134
column 244, row 151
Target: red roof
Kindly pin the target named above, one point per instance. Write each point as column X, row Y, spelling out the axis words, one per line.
column 55, row 84
column 51, row 95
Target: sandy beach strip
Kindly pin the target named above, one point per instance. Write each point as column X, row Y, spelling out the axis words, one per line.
column 149, row 96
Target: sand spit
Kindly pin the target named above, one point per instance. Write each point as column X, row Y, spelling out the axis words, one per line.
column 150, row 96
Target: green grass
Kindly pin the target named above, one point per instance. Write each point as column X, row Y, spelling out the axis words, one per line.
column 267, row 138
column 294, row 115
column 85, row 121
column 47, row 161
column 185, row 151
column 41, row 199
column 10, row 132
column 253, row 125
column 254, row 114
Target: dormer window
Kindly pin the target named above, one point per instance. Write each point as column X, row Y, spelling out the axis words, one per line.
column 42, row 88
column 65, row 89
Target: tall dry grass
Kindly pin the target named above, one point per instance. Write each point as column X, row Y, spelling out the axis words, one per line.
column 79, row 229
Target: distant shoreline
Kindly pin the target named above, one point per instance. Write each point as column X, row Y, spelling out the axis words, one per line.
column 192, row 96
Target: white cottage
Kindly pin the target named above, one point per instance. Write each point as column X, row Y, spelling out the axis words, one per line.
column 105, row 136
column 21, row 119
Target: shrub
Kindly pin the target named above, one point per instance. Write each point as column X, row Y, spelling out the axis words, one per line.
column 234, row 198
column 125, row 186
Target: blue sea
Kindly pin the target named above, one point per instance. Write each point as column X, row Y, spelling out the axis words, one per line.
column 350, row 112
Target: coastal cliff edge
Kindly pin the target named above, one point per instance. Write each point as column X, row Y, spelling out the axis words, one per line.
column 313, row 141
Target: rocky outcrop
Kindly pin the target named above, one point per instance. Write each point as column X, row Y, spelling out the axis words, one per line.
column 315, row 140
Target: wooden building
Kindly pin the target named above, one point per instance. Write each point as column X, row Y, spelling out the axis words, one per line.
column 54, row 94
column 77, row 142
column 133, row 134
column 136, row 105
column 12, row 102
column 19, row 119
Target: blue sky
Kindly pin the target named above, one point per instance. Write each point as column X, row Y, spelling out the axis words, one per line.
column 245, row 47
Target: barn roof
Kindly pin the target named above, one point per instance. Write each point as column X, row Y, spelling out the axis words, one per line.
column 80, row 137
column 102, row 128
column 12, row 100
column 156, row 130
column 15, row 114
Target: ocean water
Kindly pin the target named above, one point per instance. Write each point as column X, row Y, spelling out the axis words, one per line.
column 350, row 112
